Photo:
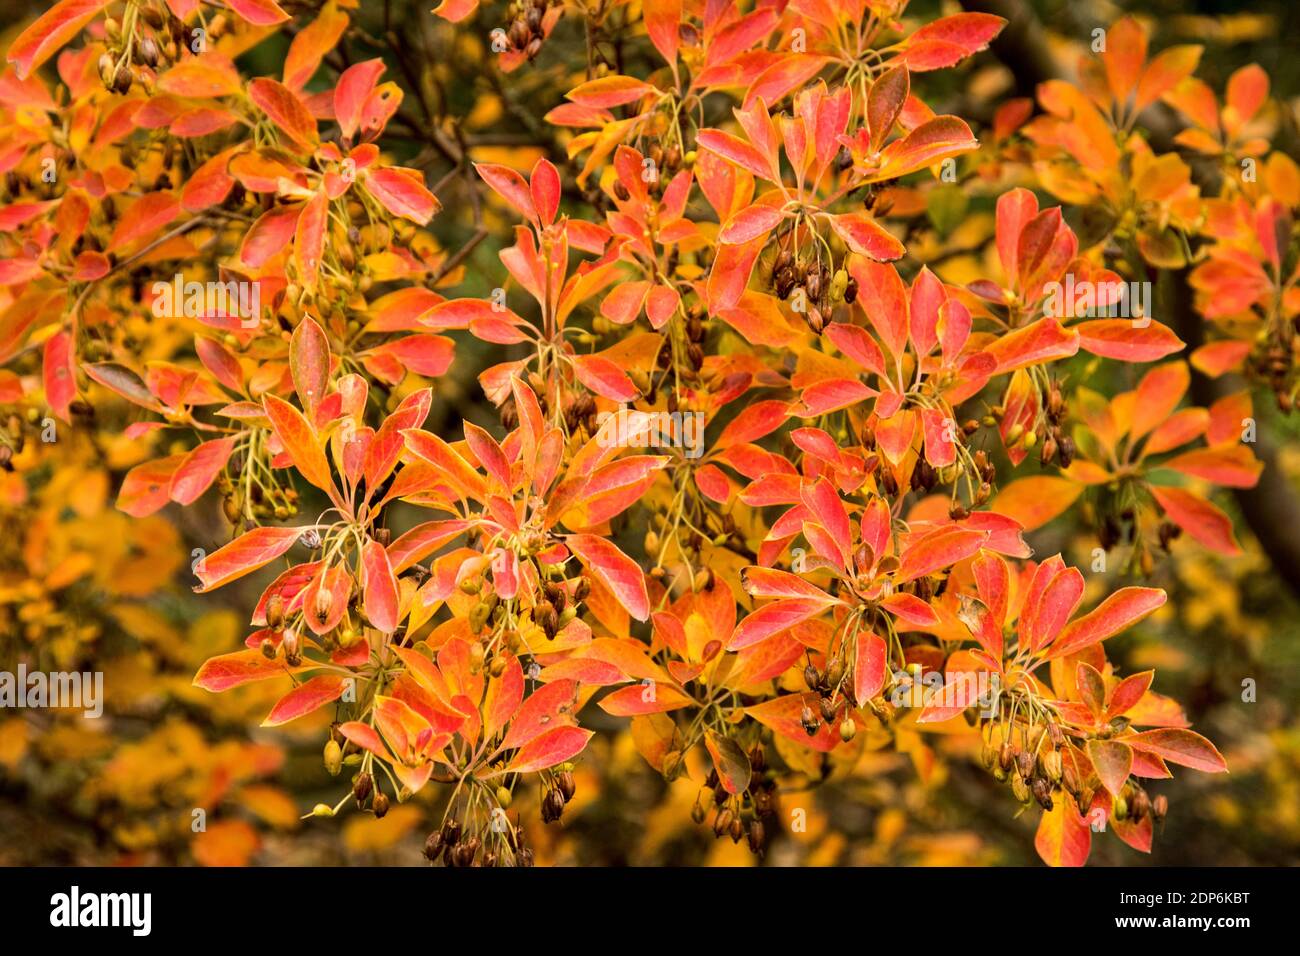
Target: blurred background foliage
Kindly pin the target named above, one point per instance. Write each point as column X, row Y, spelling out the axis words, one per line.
column 83, row 587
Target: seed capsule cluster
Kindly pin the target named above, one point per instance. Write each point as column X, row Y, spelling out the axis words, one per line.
column 747, row 815
column 526, row 33
column 812, row 285
column 1040, row 769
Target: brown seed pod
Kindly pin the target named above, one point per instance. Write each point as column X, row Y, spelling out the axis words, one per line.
column 433, row 846
column 809, row 721
column 564, row 782
column 722, row 822
column 1025, row 764
column 361, row 788
column 552, row 805
column 1159, row 808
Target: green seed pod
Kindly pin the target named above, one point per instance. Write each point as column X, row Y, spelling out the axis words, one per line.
column 333, row 757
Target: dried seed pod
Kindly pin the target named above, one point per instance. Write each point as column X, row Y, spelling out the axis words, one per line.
column 1006, row 756
column 809, row 721
column 433, row 846
column 565, row 783
column 722, row 822
column 361, row 788
column 1159, row 808
column 552, row 805
column 1025, row 764
column 1140, row 804
column 380, row 804
column 757, row 837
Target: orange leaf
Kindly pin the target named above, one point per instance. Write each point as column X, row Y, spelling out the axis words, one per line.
column 55, row 27
column 299, row 441
column 303, row 699
column 381, row 596
column 551, row 748
column 616, row 571
column 146, row 216
column 285, row 109
column 1063, row 837
column 221, row 673
column 1180, row 746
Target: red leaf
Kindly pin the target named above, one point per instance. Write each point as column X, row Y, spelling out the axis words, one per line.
column 782, row 715
column 53, row 28
column 199, row 469
column 402, row 192
column 662, row 19
column 865, row 236
column 640, row 699
column 145, row 488
column 1118, row 612
column 59, row 374
column 1184, row 747
column 750, row 223
column 938, row 550
column 870, row 657
column 1113, row 761
column 260, row 13
column 147, row 215
column 310, row 46
column 285, row 109
column 350, row 94
column 605, row 378
column 545, row 709
column 772, row 619
column 309, row 364
column 303, row 699
column 269, row 235
column 299, row 441
column 245, row 554
column 551, row 748
column 545, row 190
column 615, row 570
column 510, row 186
column 1124, row 340
column 232, row 670
column 1205, row 523
column 309, row 239
column 381, row 595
